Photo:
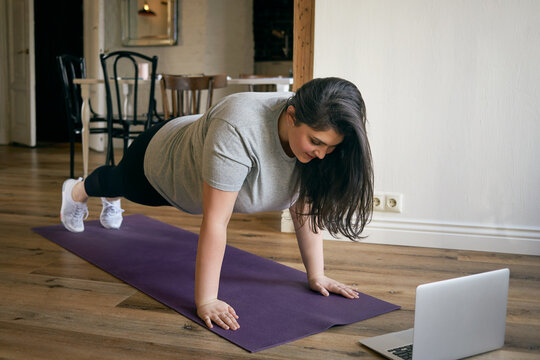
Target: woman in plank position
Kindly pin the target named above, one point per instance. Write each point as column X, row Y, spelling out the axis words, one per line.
column 251, row 152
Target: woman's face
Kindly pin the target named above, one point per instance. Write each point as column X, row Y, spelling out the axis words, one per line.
column 306, row 143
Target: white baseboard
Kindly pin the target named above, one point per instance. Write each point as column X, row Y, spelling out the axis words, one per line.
column 512, row 240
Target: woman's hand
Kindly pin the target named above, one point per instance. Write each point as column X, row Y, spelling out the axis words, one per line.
column 325, row 286
column 219, row 312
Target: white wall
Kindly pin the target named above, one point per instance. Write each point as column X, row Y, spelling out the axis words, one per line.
column 452, row 90
column 214, row 36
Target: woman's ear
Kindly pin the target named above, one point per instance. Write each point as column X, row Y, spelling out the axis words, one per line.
column 291, row 117
column 290, row 110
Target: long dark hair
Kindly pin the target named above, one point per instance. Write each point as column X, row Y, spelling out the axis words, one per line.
column 337, row 191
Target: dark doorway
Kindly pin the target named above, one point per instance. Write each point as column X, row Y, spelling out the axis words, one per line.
column 273, row 25
column 58, row 30
column 273, row 29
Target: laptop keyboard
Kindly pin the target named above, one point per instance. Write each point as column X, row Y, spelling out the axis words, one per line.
column 404, row 352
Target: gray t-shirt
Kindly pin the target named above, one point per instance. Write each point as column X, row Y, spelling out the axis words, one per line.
column 235, row 146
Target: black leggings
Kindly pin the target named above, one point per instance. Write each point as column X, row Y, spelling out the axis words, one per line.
column 127, row 179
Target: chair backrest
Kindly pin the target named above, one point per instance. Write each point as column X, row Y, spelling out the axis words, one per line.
column 186, row 91
column 121, row 68
column 71, row 67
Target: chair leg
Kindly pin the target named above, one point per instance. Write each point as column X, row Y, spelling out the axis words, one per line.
column 71, row 155
column 110, row 149
column 126, row 142
column 109, row 158
column 126, row 138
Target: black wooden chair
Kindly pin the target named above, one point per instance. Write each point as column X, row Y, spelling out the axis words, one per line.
column 131, row 105
column 72, row 67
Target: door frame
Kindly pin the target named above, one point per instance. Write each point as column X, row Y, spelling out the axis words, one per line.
column 20, row 124
column 303, row 34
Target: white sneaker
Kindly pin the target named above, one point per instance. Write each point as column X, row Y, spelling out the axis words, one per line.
column 72, row 212
column 111, row 215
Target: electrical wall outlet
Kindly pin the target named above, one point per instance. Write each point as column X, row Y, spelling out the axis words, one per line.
column 378, row 202
column 393, row 202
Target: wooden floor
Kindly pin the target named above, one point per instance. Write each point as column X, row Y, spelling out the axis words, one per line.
column 54, row 305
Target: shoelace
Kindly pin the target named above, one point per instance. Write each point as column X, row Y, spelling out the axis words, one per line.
column 111, row 210
column 80, row 212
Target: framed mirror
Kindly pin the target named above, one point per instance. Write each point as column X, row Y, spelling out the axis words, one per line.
column 149, row 22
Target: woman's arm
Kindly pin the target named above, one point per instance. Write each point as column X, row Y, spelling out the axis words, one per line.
column 311, row 249
column 217, row 209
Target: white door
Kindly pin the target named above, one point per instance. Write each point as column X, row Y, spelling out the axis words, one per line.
column 21, row 72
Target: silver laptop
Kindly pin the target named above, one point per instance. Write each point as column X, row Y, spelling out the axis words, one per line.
column 453, row 319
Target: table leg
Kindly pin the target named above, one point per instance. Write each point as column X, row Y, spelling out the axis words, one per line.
column 282, row 88
column 85, row 118
column 287, row 225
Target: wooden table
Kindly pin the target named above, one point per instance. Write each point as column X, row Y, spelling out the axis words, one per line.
column 282, row 83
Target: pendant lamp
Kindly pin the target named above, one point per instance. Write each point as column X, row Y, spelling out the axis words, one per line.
column 145, row 11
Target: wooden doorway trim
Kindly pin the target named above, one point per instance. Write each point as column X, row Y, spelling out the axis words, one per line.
column 303, row 31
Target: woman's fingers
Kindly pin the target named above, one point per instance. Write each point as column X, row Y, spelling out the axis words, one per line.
column 346, row 291
column 208, row 322
column 230, row 320
column 226, row 321
column 327, row 285
column 232, row 312
column 317, row 286
column 219, row 313
column 349, row 293
column 220, row 322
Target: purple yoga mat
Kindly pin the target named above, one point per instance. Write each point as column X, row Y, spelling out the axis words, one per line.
column 273, row 301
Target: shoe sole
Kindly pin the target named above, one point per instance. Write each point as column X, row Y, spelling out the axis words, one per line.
column 109, row 227
column 62, row 210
